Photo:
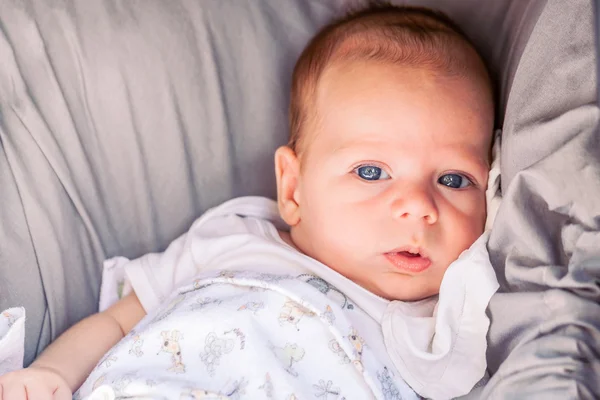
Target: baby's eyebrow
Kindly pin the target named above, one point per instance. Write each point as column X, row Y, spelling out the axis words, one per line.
column 359, row 145
column 466, row 158
column 475, row 164
column 344, row 147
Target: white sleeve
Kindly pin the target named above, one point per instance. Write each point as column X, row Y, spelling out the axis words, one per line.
column 113, row 286
column 155, row 275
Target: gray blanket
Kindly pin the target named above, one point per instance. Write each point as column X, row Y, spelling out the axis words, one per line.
column 545, row 332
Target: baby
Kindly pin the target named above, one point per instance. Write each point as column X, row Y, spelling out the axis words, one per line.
column 381, row 188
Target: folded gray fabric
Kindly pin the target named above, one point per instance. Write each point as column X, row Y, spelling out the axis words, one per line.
column 120, row 123
column 544, row 340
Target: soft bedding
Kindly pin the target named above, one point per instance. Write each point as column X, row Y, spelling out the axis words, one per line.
column 545, row 245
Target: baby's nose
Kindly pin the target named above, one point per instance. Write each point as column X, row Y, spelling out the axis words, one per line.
column 415, row 202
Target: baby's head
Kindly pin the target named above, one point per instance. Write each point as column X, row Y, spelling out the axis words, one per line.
column 391, row 122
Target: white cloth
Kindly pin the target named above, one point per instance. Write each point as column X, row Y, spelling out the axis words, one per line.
column 427, row 341
column 439, row 349
column 493, row 195
column 12, row 339
column 251, row 334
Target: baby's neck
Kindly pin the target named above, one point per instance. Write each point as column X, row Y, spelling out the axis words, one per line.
column 286, row 237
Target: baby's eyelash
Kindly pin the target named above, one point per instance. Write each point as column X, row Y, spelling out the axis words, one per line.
column 369, row 164
column 469, row 178
column 472, row 182
column 382, row 173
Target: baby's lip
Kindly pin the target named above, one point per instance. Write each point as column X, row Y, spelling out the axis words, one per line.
column 408, row 261
column 416, row 250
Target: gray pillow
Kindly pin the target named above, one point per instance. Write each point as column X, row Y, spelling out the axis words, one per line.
column 544, row 338
column 122, row 121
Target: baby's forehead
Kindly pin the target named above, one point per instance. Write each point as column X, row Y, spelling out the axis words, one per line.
column 450, row 55
column 344, row 73
column 418, row 40
column 450, row 58
column 356, row 97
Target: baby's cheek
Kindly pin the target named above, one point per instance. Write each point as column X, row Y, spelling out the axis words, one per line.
column 460, row 233
column 471, row 214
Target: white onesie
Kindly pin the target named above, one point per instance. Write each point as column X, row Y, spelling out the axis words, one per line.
column 235, row 312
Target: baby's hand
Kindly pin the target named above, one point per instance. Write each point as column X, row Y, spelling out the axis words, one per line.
column 34, row 383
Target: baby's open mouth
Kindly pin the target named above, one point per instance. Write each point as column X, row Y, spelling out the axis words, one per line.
column 408, row 261
column 409, row 254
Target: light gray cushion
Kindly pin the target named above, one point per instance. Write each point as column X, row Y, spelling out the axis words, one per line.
column 545, row 245
column 121, row 122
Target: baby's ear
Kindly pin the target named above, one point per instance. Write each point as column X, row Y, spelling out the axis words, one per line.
column 287, row 171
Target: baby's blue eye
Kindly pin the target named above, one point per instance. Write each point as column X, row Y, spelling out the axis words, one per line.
column 455, row 181
column 371, row 173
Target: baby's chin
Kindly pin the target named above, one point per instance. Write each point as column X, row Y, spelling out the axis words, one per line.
column 409, row 297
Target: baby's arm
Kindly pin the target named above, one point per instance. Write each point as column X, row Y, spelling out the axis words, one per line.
column 66, row 363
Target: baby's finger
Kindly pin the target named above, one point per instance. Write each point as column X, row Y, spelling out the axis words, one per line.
column 37, row 390
column 16, row 392
column 62, row 393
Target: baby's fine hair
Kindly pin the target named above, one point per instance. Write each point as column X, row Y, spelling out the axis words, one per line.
column 403, row 35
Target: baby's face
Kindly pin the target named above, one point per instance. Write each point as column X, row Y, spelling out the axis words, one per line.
column 392, row 184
